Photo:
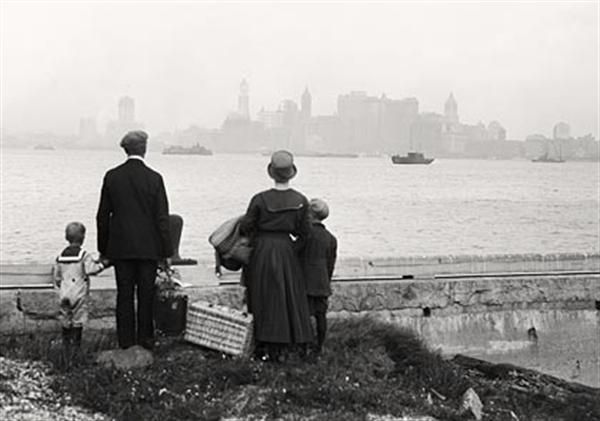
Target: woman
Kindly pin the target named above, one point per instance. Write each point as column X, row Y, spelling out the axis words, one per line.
column 275, row 288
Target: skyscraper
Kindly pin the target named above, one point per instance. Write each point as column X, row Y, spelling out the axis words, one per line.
column 451, row 109
column 244, row 101
column 126, row 110
column 306, row 105
column 116, row 129
column 561, row 130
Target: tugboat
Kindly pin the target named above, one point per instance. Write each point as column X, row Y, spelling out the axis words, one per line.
column 412, row 158
column 183, row 150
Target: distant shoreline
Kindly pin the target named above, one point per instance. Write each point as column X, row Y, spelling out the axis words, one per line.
column 158, row 149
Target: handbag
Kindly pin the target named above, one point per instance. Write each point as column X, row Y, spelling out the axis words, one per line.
column 170, row 303
column 232, row 249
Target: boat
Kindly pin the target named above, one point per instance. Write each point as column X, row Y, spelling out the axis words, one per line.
column 412, row 158
column 43, row 147
column 546, row 157
column 186, row 150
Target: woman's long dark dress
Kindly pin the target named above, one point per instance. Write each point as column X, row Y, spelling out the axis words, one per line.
column 276, row 290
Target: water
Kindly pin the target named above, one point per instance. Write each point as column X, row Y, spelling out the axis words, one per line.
column 377, row 209
column 566, row 342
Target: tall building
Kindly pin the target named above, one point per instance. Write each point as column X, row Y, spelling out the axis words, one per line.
column 463, row 139
column 125, row 122
column 270, row 119
column 244, row 100
column 289, row 113
column 306, row 105
column 451, row 109
column 396, row 120
column 561, row 130
column 426, row 133
column 496, row 131
column 292, row 125
column 359, row 117
column 372, row 124
column 126, row 110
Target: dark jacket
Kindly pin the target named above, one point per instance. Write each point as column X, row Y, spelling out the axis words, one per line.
column 318, row 260
column 133, row 215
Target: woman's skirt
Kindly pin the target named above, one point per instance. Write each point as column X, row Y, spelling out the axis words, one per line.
column 276, row 292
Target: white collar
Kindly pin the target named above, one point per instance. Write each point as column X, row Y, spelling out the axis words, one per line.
column 139, row 158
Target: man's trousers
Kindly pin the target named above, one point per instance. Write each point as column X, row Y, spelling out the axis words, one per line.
column 132, row 273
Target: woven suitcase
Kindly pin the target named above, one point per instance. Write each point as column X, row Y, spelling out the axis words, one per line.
column 220, row 328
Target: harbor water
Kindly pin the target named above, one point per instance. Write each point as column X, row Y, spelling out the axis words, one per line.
column 377, row 208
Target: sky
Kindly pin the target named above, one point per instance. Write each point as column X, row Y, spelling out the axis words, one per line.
column 527, row 65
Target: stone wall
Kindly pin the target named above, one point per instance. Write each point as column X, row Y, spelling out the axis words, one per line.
column 440, row 287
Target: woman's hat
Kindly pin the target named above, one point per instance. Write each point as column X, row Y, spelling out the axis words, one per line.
column 282, row 168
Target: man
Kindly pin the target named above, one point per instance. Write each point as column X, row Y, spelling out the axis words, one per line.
column 133, row 233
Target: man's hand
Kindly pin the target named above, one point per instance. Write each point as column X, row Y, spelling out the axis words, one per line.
column 105, row 261
column 165, row 263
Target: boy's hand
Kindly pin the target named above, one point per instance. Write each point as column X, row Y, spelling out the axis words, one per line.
column 105, row 262
column 165, row 263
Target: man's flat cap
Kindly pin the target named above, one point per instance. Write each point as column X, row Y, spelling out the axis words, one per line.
column 133, row 139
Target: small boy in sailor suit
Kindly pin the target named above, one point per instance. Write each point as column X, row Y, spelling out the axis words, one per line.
column 71, row 279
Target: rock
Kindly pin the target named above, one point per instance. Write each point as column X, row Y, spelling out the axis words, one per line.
column 244, row 399
column 472, row 402
column 125, row 359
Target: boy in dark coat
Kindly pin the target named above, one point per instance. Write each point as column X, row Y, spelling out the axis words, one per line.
column 318, row 262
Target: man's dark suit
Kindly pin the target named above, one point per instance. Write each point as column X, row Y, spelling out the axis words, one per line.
column 133, row 232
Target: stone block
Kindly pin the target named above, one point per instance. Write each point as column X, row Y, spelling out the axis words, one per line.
column 126, row 359
column 389, row 295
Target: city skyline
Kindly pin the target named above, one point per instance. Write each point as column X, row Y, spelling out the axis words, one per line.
column 86, row 124
column 537, row 65
column 362, row 125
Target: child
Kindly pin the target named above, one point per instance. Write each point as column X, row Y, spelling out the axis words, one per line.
column 71, row 279
column 318, row 261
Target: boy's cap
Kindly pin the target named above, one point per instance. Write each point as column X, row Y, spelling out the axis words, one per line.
column 319, row 208
column 134, row 139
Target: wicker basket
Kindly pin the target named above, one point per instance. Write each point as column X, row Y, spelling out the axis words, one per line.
column 219, row 328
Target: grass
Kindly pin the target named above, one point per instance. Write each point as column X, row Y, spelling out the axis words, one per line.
column 367, row 367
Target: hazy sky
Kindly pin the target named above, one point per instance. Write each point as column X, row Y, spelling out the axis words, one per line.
column 525, row 64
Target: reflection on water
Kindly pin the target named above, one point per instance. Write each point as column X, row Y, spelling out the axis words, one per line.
column 562, row 343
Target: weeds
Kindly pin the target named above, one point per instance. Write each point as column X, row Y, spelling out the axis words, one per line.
column 367, row 367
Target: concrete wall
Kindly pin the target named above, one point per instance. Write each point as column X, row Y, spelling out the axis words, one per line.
column 441, row 286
